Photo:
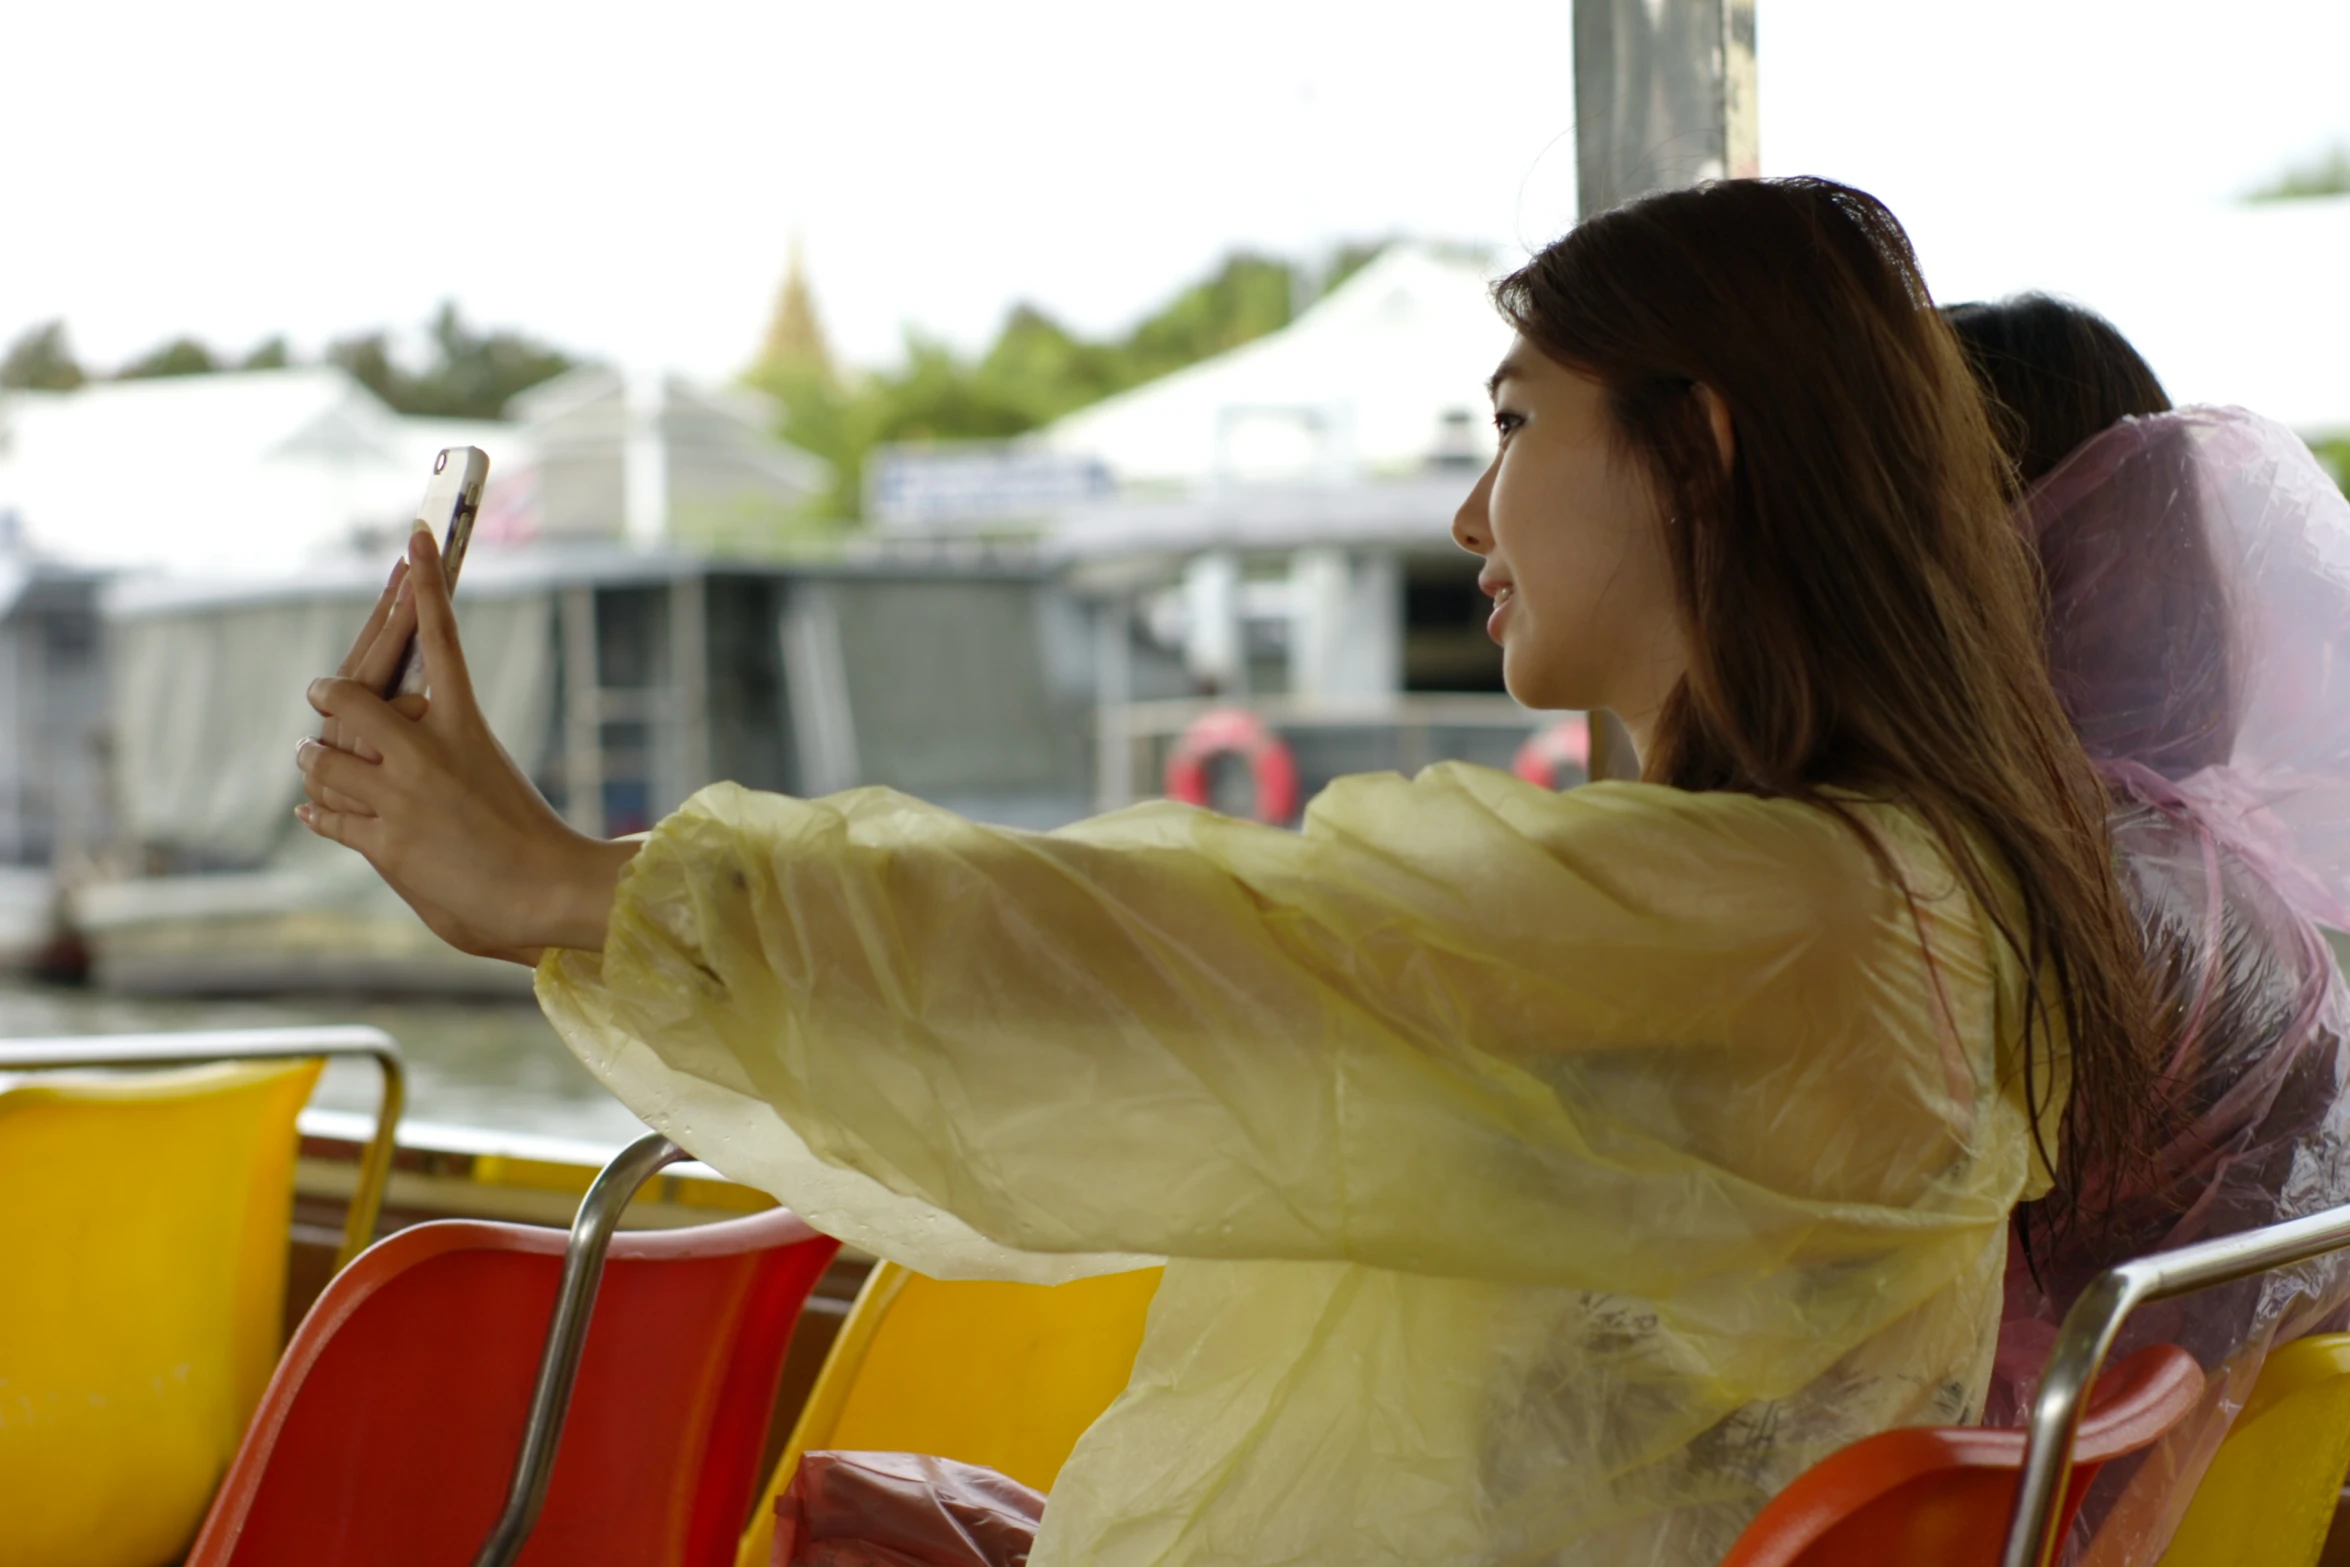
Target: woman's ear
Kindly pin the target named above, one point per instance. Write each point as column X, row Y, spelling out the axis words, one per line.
column 1717, row 414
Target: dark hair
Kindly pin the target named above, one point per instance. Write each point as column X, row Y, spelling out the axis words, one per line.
column 1861, row 612
column 2055, row 374
column 2142, row 639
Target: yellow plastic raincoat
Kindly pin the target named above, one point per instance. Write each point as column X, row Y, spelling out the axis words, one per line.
column 1542, row 1177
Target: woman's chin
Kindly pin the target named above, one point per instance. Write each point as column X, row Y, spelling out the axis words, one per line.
column 1532, row 686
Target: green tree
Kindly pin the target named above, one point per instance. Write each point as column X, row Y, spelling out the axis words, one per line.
column 2327, row 174
column 368, row 360
column 41, row 360
column 472, row 375
column 2335, row 454
column 180, row 356
column 271, row 354
column 1035, row 371
column 1247, row 297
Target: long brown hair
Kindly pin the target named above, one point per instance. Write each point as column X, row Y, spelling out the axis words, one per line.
column 1861, row 614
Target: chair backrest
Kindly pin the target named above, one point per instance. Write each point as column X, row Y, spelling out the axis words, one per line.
column 389, row 1433
column 1940, row 1496
column 1006, row 1375
column 2268, row 1498
column 143, row 1231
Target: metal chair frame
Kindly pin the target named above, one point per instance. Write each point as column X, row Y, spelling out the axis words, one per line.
column 209, row 1048
column 2088, row 1335
column 567, row 1330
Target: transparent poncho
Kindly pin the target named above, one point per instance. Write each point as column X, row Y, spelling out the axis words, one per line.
column 2198, row 569
column 1540, row 1177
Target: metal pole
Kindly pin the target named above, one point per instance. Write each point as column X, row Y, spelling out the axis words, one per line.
column 583, row 712
column 644, row 458
column 816, row 681
column 567, row 1329
column 2088, row 1334
column 1664, row 97
column 689, row 688
column 1113, row 674
column 253, row 1044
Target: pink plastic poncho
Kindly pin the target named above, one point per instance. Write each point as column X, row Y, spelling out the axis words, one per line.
column 2198, row 569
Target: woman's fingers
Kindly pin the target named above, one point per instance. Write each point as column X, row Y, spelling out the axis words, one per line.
column 333, row 799
column 362, row 833
column 436, row 625
column 380, row 664
column 366, row 719
column 393, row 602
column 338, row 780
column 384, row 604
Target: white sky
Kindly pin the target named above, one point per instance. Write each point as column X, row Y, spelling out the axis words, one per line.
column 625, row 181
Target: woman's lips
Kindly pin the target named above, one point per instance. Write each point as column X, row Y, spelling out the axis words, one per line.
column 1504, row 597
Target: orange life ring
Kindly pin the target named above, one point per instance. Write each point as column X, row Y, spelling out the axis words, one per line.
column 1234, row 731
column 1566, row 743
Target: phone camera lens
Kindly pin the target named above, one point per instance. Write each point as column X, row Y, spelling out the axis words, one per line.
column 441, row 462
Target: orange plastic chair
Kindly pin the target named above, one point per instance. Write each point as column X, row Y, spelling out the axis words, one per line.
column 142, row 1278
column 1006, row 1375
column 389, row 1435
column 2268, row 1498
column 1940, row 1496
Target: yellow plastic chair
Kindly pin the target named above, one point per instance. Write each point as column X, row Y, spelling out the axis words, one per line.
column 143, row 1225
column 1006, row 1375
column 2268, row 1498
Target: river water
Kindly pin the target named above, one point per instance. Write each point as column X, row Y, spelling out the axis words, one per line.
column 493, row 1064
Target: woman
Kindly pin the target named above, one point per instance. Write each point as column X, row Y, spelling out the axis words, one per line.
column 1541, row 1177
column 2199, row 603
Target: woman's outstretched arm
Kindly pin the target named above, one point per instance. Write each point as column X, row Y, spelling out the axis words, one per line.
column 1457, row 1025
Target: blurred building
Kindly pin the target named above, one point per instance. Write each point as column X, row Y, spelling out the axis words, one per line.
column 1269, row 528
column 266, row 472
column 54, row 756
column 1381, row 378
column 621, row 679
column 650, row 458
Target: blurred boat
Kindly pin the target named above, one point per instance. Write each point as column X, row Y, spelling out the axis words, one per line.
column 622, row 679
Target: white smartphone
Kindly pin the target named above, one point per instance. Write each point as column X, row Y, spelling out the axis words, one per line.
column 451, row 501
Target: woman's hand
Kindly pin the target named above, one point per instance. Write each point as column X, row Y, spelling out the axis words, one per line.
column 425, row 792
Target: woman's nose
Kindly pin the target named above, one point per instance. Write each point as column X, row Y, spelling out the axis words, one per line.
column 1472, row 529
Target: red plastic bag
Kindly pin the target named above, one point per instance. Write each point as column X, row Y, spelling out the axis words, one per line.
column 902, row 1510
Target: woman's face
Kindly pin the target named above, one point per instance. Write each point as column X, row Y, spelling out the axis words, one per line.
column 1573, row 541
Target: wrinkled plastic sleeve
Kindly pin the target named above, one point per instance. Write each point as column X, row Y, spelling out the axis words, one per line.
column 1456, row 1026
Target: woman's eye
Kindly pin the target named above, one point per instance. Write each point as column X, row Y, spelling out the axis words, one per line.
column 1504, row 421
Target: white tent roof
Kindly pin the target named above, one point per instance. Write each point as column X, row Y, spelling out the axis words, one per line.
column 2241, row 304
column 2238, row 304
column 1376, row 377
column 262, row 471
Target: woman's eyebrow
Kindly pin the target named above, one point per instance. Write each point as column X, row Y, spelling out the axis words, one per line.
column 1506, row 370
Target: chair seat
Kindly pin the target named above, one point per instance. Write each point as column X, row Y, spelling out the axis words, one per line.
column 1007, row 1376
column 1940, row 1496
column 390, row 1432
column 2268, row 1498
column 143, row 1241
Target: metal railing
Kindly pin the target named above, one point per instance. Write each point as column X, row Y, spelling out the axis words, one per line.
column 252, row 1044
column 567, row 1330
column 2088, row 1334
